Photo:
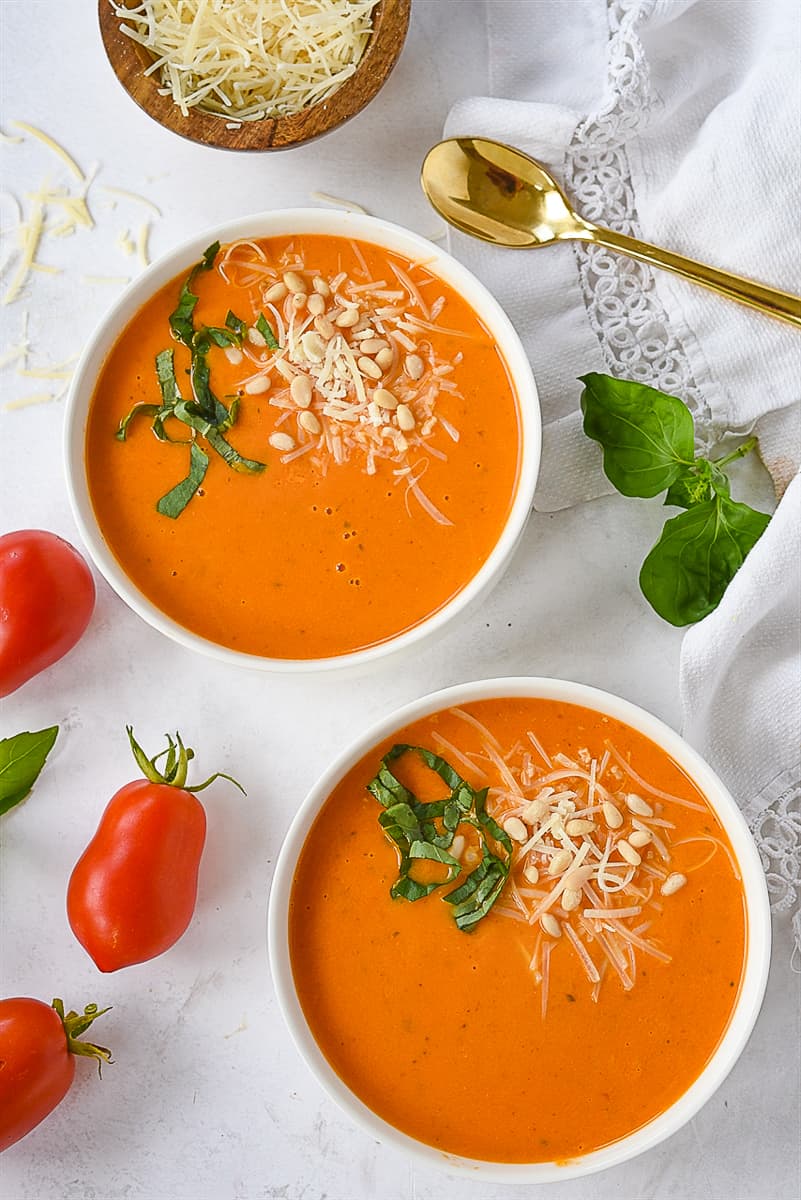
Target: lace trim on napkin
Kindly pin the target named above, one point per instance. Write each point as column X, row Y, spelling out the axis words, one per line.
column 623, row 308
column 777, row 833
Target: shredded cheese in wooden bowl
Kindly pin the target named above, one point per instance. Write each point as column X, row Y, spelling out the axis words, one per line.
column 249, row 59
column 224, row 72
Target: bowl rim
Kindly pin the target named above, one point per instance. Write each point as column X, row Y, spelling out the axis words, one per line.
column 278, row 222
column 203, row 128
column 758, row 932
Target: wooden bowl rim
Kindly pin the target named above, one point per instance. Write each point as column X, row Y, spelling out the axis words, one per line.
column 127, row 59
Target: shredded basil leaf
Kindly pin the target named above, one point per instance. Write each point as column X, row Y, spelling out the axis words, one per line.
column 426, row 831
column 175, row 501
column 181, row 319
column 204, row 414
column 266, row 330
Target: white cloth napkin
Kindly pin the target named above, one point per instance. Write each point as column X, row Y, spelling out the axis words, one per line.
column 678, row 121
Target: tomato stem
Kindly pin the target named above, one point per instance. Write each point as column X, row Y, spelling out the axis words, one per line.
column 178, row 757
column 75, row 1024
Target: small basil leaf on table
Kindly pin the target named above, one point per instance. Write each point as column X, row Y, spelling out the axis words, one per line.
column 688, row 570
column 21, row 760
column 646, row 436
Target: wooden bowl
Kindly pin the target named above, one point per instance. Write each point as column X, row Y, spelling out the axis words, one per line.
column 129, row 60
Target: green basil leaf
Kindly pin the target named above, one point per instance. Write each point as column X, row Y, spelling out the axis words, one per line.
column 266, row 330
column 181, row 319
column 237, row 326
column 175, row 501
column 141, row 409
column 693, row 487
column 221, row 337
column 688, row 570
column 646, row 436
column 426, row 831
column 21, row 759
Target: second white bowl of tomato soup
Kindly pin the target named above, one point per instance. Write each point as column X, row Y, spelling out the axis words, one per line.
column 520, row 930
column 303, row 439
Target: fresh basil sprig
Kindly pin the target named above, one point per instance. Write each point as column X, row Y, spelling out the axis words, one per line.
column 648, row 447
column 204, row 414
column 426, row 831
column 21, row 760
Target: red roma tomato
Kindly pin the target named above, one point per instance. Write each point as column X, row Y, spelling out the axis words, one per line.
column 133, row 891
column 47, row 595
column 38, row 1044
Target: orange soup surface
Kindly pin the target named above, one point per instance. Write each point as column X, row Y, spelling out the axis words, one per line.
column 524, row 1040
column 381, row 428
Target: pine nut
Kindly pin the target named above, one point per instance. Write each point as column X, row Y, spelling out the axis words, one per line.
column 283, row 368
column 627, row 852
column 385, row 358
column 308, row 421
column 571, row 898
column 256, row 387
column 347, row 319
column 281, row 441
column 405, row 418
column 673, row 883
column 531, row 873
column 255, row 337
column 298, row 301
column 372, row 345
column 574, row 880
column 313, row 346
column 324, row 327
column 612, row 815
column 550, row 925
column 234, row 355
column 414, row 366
column 300, row 389
column 320, row 286
column 640, row 837
column 401, row 445
column 640, row 807
column 275, row 294
column 295, row 282
column 516, row 829
column 560, row 860
column 316, row 305
column 369, row 368
column 534, row 811
column 385, row 399
column 578, row 826
column 456, row 848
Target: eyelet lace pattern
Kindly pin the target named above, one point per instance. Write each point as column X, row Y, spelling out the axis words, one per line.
column 637, row 341
column 623, row 308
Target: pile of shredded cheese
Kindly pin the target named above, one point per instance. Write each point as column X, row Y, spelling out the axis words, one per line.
column 356, row 373
column 250, row 59
column 54, row 210
column 593, row 864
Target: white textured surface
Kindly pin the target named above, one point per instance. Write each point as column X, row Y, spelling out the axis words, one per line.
column 206, row 1098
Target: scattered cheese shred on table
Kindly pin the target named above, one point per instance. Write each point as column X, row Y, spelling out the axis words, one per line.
column 250, row 59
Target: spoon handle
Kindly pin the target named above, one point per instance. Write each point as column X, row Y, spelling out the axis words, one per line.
column 757, row 295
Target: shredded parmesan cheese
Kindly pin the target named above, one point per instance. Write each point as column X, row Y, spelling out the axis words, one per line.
column 584, row 886
column 249, row 59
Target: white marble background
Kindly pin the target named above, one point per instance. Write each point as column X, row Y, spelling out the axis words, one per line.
column 207, row 1098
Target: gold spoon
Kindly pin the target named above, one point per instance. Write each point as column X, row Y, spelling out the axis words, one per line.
column 502, row 196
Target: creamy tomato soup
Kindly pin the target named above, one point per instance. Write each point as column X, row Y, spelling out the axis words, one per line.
column 578, row 954
column 313, row 456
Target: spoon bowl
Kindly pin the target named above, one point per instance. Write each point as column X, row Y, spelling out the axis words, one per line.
column 499, row 194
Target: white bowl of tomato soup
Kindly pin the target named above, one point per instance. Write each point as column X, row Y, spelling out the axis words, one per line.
column 519, row 930
column 303, row 439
